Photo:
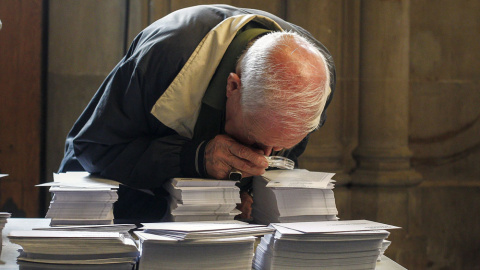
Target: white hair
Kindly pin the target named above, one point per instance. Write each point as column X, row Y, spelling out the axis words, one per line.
column 284, row 77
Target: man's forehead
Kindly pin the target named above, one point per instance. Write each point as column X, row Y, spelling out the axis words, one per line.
column 272, row 139
column 266, row 131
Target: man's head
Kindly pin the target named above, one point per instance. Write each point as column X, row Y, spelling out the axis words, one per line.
column 279, row 90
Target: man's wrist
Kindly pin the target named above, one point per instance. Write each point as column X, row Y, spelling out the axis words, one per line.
column 193, row 159
column 200, row 165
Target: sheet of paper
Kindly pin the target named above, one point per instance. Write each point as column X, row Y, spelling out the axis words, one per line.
column 196, row 226
column 201, row 230
column 80, row 179
column 3, row 175
column 334, row 226
column 297, row 178
column 91, row 228
column 62, row 234
column 201, row 182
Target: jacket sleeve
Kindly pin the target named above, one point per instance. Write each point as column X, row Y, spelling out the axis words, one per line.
column 122, row 141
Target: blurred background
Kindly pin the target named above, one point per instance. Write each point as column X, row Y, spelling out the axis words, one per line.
column 402, row 134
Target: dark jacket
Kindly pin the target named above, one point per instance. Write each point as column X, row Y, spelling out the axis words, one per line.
column 129, row 131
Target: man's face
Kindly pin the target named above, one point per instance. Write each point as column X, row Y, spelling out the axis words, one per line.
column 263, row 137
column 259, row 131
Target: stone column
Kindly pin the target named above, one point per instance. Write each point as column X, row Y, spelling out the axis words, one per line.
column 383, row 154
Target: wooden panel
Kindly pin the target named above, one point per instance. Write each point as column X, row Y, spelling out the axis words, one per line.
column 82, row 39
column 138, row 18
column 275, row 7
column 20, row 105
column 158, row 9
column 143, row 12
column 322, row 18
column 348, row 66
column 86, row 40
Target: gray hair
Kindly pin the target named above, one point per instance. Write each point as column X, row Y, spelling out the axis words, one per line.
column 285, row 77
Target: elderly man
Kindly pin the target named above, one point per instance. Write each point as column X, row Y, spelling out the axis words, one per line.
column 201, row 92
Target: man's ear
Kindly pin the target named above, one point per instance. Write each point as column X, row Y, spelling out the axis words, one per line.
column 233, row 84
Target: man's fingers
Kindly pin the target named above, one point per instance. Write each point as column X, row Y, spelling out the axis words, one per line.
column 247, row 168
column 223, row 154
column 247, row 153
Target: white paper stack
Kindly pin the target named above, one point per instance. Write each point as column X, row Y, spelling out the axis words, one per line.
column 293, row 196
column 75, row 249
column 195, row 199
column 3, row 220
column 122, row 228
column 198, row 245
column 81, row 199
column 385, row 245
column 339, row 245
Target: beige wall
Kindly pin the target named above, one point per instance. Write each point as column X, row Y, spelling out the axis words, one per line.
column 407, row 90
column 445, row 128
column 444, row 111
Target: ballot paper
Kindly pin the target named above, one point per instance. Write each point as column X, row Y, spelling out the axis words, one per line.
column 352, row 244
column 198, row 245
column 80, row 180
column 197, row 199
column 3, row 220
column 330, row 227
column 79, row 198
column 123, row 228
column 385, row 245
column 205, row 194
column 293, row 197
column 298, row 178
column 204, row 230
column 201, row 182
column 23, row 265
column 99, row 250
column 162, row 252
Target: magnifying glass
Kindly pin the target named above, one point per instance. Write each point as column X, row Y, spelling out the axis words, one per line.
column 280, row 162
column 273, row 162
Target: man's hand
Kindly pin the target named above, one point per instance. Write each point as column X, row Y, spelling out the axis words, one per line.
column 224, row 153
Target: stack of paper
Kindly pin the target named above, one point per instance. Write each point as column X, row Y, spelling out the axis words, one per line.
column 353, row 244
column 194, row 199
column 122, row 228
column 3, row 220
column 81, row 199
column 198, row 245
column 293, row 196
column 385, row 245
column 75, row 250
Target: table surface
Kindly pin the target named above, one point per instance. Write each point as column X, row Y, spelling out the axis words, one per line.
column 8, row 258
